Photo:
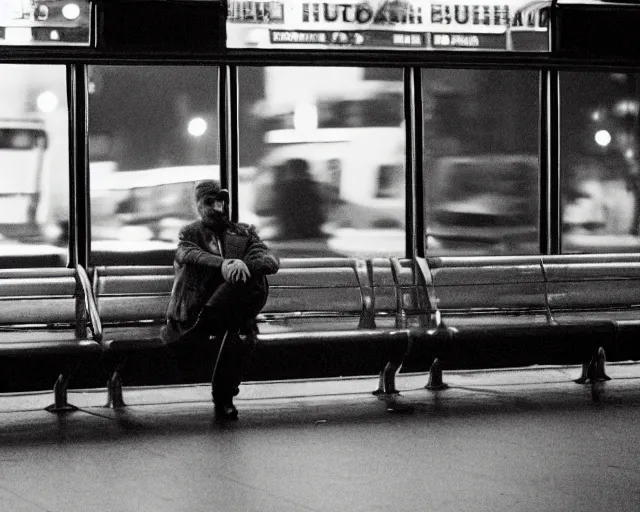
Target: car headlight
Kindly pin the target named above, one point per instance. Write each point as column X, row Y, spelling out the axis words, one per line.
column 71, row 11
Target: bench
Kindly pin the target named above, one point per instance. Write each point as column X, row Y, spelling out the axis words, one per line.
column 313, row 302
column 583, row 287
column 489, row 310
column 470, row 312
column 48, row 312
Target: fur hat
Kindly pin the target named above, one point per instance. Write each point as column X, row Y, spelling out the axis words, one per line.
column 211, row 188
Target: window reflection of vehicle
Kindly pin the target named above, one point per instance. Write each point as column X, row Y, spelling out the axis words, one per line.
column 149, row 204
column 599, row 206
column 23, row 190
column 352, row 144
column 483, row 205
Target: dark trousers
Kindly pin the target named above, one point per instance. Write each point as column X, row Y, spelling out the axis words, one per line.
column 230, row 315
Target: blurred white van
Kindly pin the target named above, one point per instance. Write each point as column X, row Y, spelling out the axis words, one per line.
column 353, row 144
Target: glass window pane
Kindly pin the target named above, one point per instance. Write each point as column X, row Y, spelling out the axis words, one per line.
column 600, row 185
column 153, row 133
column 34, row 158
column 322, row 154
column 481, row 166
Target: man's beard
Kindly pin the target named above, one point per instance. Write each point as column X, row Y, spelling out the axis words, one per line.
column 216, row 221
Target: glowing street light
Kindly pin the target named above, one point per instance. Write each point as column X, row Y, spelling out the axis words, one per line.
column 71, row 11
column 603, row 138
column 197, row 127
column 47, row 101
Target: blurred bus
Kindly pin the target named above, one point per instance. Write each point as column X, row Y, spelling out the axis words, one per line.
column 353, row 144
column 23, row 145
column 28, row 230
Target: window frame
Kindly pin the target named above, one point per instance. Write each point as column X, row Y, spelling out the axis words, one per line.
column 562, row 57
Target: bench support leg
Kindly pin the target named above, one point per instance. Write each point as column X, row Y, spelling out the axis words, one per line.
column 114, row 391
column 594, row 370
column 60, row 404
column 435, row 377
column 387, row 380
column 380, row 389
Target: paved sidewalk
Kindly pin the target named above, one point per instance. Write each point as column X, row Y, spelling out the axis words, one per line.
column 512, row 440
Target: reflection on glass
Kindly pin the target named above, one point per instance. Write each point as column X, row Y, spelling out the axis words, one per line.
column 153, row 134
column 599, row 162
column 45, row 22
column 34, row 149
column 322, row 156
column 481, row 164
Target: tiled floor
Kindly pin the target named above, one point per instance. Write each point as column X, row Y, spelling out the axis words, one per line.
column 521, row 440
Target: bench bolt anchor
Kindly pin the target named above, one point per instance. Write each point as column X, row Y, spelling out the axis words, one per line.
column 435, row 377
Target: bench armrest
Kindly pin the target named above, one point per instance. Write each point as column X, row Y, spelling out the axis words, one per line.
column 435, row 319
column 363, row 274
column 402, row 311
column 90, row 303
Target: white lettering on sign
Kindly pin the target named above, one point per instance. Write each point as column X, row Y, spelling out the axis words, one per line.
column 292, row 36
column 460, row 40
column 362, row 13
column 407, row 39
column 255, row 12
column 444, row 14
column 388, row 23
column 407, row 13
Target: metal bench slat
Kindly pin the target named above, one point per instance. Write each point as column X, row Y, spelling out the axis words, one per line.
column 38, row 311
column 593, row 294
column 44, row 341
column 328, row 337
column 491, row 296
column 315, row 299
column 487, row 275
column 130, row 284
column 315, row 278
column 37, row 286
column 132, row 308
column 578, row 272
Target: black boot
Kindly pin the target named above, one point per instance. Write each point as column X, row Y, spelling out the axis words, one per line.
column 222, row 382
column 225, row 411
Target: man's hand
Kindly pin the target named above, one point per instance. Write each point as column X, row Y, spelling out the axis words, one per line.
column 234, row 271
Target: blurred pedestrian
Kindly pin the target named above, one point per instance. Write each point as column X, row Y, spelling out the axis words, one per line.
column 295, row 201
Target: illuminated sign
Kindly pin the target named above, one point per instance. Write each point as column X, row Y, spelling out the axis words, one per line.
column 518, row 25
column 45, row 22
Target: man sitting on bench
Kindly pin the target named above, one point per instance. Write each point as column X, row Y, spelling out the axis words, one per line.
column 219, row 288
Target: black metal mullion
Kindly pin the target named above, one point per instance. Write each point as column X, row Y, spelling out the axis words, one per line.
column 79, row 209
column 418, row 146
column 222, row 124
column 228, row 134
column 232, row 139
column 550, row 183
column 553, row 158
column 409, row 162
column 415, row 243
column 545, row 165
column 550, row 207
